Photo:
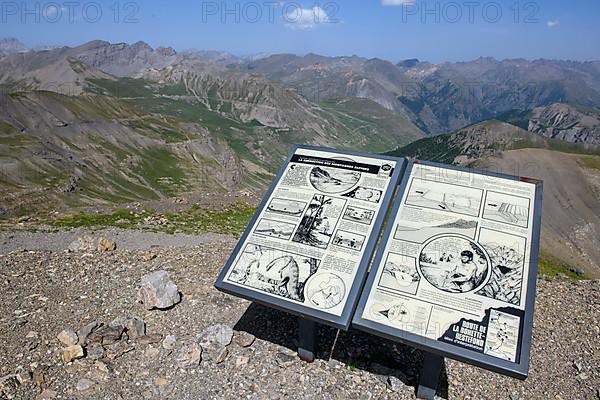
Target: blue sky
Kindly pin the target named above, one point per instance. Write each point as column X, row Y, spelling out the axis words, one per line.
column 435, row 31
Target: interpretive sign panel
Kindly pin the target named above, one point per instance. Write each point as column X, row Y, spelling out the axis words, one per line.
column 308, row 246
column 456, row 270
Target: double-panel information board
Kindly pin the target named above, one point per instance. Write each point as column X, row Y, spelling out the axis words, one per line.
column 307, row 249
column 456, row 270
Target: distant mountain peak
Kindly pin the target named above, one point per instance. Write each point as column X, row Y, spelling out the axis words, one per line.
column 142, row 46
column 11, row 45
column 409, row 63
column 166, row 51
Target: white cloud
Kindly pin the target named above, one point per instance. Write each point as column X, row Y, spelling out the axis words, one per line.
column 52, row 12
column 553, row 23
column 305, row 18
column 397, row 2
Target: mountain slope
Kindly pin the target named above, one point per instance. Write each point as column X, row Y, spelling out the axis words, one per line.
column 52, row 157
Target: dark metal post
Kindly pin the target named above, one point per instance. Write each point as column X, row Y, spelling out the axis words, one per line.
column 307, row 339
column 430, row 376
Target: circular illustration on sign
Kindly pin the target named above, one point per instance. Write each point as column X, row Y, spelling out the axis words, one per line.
column 325, row 290
column 454, row 264
column 333, row 180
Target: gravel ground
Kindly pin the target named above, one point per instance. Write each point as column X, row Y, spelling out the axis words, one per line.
column 44, row 292
column 125, row 238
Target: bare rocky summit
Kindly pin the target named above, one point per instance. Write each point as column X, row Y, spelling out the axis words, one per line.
column 215, row 346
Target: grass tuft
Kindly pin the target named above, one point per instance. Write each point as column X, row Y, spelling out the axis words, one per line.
column 230, row 220
column 554, row 268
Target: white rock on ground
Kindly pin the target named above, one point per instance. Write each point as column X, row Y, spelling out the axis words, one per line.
column 219, row 333
column 157, row 290
column 84, row 384
column 68, row 337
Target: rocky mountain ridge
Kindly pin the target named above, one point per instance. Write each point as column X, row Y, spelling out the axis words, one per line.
column 439, row 97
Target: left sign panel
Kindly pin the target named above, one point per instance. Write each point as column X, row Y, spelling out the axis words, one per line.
column 307, row 249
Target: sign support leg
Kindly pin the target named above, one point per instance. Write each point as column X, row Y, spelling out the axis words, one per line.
column 307, row 339
column 430, row 376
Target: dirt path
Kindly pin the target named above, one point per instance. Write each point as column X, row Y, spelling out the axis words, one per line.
column 125, row 239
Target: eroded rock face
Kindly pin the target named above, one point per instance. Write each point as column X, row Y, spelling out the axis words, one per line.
column 566, row 122
column 157, row 290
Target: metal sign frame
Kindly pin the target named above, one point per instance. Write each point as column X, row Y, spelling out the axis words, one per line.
column 344, row 320
column 514, row 369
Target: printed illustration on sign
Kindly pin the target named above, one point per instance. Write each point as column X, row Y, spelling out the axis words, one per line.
column 502, row 334
column 506, row 208
column 274, row 271
column 349, row 240
column 333, row 180
column 360, row 215
column 400, row 273
column 506, row 254
column 276, row 229
column 396, row 313
column 454, row 264
column 444, row 196
column 317, row 225
column 419, row 233
column 325, row 290
column 365, row 194
column 286, row 207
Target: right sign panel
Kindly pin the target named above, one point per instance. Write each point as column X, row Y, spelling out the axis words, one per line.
column 455, row 272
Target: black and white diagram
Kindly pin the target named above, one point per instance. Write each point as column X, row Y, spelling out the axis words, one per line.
column 419, row 233
column 396, row 313
column 273, row 228
column 365, row 194
column 286, row 207
column 274, row 271
column 454, row 264
column 508, row 261
column 289, row 243
column 360, row 215
column 333, row 180
column 506, row 208
column 444, row 196
column 502, row 335
column 319, row 221
column 349, row 240
column 465, row 261
column 400, row 273
column 325, row 290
